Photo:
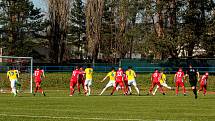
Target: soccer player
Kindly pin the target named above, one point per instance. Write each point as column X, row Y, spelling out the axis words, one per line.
column 155, row 81
column 179, row 81
column 38, row 74
column 203, row 83
column 88, row 81
column 119, row 81
column 112, row 76
column 193, row 77
column 162, row 82
column 131, row 80
column 13, row 76
column 74, row 80
column 81, row 80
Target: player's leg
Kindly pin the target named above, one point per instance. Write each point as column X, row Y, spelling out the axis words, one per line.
column 205, row 90
column 115, row 85
column 129, row 87
column 122, row 87
column 200, row 88
column 165, row 85
column 13, row 87
column 109, row 84
column 79, row 87
column 160, row 88
column 151, row 88
column 135, row 86
column 40, row 89
column 88, row 86
column 183, row 88
column 177, row 87
column 153, row 93
column 193, row 86
column 71, row 88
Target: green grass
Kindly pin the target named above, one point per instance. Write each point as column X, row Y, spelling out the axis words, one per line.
column 58, row 106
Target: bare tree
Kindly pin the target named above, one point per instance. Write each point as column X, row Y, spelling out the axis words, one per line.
column 58, row 15
column 94, row 12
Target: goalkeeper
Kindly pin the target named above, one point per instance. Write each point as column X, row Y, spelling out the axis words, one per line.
column 13, row 76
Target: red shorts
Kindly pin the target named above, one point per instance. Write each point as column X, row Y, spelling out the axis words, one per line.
column 72, row 84
column 156, row 83
column 37, row 83
column 179, row 83
column 203, row 85
column 80, row 81
column 120, row 83
column 126, row 82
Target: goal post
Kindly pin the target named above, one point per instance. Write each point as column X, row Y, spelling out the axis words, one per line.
column 13, row 61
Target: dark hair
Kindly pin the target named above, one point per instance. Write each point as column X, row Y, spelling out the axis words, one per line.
column 112, row 68
column 129, row 67
column 89, row 66
column 76, row 67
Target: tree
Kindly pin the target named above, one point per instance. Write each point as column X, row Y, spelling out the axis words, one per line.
column 20, row 21
column 58, row 16
column 77, row 26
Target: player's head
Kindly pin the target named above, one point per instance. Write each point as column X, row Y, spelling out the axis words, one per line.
column 180, row 69
column 161, row 72
column 38, row 68
column 206, row 73
column 190, row 65
column 81, row 68
column 76, row 67
column 156, row 70
column 112, row 69
column 120, row 68
column 129, row 67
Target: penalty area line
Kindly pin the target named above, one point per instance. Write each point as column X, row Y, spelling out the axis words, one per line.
column 67, row 117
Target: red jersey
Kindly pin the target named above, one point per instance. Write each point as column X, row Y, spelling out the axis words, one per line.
column 81, row 75
column 125, row 77
column 179, row 76
column 75, row 75
column 204, row 80
column 156, row 76
column 119, row 75
column 37, row 75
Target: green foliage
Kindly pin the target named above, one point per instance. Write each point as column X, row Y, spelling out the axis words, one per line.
column 20, row 22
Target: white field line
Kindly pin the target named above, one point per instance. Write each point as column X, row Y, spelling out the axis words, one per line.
column 67, row 117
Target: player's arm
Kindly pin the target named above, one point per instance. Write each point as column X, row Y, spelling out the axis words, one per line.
column 135, row 75
column 198, row 75
column 43, row 74
column 8, row 74
column 17, row 73
column 151, row 79
column 104, row 78
column 175, row 78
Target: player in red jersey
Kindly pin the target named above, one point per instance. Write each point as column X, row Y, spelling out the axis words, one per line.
column 179, row 81
column 203, row 83
column 155, row 80
column 119, row 81
column 74, row 80
column 37, row 79
column 81, row 80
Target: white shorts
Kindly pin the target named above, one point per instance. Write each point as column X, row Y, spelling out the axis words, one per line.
column 133, row 82
column 164, row 84
column 110, row 84
column 13, row 83
column 88, row 82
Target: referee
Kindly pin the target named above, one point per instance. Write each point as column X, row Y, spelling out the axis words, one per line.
column 193, row 78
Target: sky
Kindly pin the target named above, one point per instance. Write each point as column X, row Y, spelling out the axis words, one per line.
column 40, row 4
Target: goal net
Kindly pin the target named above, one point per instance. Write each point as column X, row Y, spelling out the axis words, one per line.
column 24, row 65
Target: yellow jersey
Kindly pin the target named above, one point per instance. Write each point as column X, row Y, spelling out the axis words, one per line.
column 131, row 74
column 112, row 75
column 163, row 78
column 13, row 74
column 89, row 73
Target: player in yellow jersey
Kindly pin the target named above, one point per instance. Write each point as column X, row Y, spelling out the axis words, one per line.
column 112, row 76
column 13, row 76
column 162, row 82
column 131, row 80
column 88, row 82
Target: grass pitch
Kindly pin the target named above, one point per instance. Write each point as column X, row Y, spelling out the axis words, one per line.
column 58, row 106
